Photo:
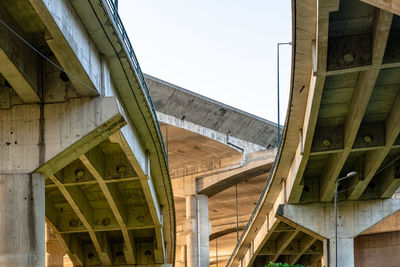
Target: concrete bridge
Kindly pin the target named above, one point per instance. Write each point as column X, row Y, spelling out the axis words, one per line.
column 80, row 145
column 219, row 159
column 343, row 116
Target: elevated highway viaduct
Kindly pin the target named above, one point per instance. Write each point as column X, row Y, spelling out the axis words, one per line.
column 219, row 159
column 343, row 116
column 80, row 145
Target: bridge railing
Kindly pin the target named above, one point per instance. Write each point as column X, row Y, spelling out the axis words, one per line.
column 135, row 63
column 258, row 205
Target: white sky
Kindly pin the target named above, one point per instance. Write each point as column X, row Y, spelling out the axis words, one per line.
column 222, row 49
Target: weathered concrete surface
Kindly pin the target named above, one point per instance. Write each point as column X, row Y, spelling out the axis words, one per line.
column 22, row 220
column 42, row 139
column 181, row 103
column 341, row 96
column 80, row 120
column 66, row 130
column 354, row 217
column 377, row 249
column 227, row 139
column 122, row 78
column 191, row 232
column 14, row 54
column 204, row 157
column 71, row 44
column 216, row 163
column 204, row 230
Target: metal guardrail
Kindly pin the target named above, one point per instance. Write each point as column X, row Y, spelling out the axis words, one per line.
column 135, row 63
column 258, row 205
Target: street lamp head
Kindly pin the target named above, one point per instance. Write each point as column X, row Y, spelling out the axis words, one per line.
column 350, row 174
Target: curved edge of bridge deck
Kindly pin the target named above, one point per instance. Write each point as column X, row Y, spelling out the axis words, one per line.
column 293, row 219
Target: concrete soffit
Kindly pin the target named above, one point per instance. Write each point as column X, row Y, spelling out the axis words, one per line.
column 97, row 18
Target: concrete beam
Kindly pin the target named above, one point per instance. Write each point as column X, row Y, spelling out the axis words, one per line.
column 80, row 205
column 283, row 242
column 221, row 137
column 140, row 161
column 374, row 159
column 116, row 180
column 391, row 6
column 361, row 95
column 122, row 78
column 94, row 161
column 354, row 217
column 262, row 236
column 68, row 223
column 74, row 49
column 74, row 128
column 19, row 63
column 389, row 182
column 305, row 244
column 67, row 130
column 375, row 132
column 226, row 231
column 357, row 47
column 66, row 241
column 386, row 65
column 211, row 185
column 43, row 139
column 316, row 85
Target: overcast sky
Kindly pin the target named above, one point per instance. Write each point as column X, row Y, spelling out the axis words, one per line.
column 222, row 49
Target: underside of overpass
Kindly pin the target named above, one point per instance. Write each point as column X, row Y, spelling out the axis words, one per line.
column 81, row 148
column 217, row 168
column 191, row 181
column 343, row 117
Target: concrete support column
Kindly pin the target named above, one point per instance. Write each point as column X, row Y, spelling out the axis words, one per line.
column 22, row 220
column 197, row 212
column 204, row 231
column 191, row 231
column 345, row 252
column 54, row 251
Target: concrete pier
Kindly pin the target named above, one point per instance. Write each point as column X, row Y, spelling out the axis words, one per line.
column 191, row 231
column 22, row 220
column 204, row 231
column 197, row 212
column 354, row 217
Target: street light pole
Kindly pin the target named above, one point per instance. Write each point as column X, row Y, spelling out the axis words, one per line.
column 350, row 174
column 279, row 44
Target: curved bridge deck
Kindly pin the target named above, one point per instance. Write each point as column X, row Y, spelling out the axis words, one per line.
column 343, row 116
